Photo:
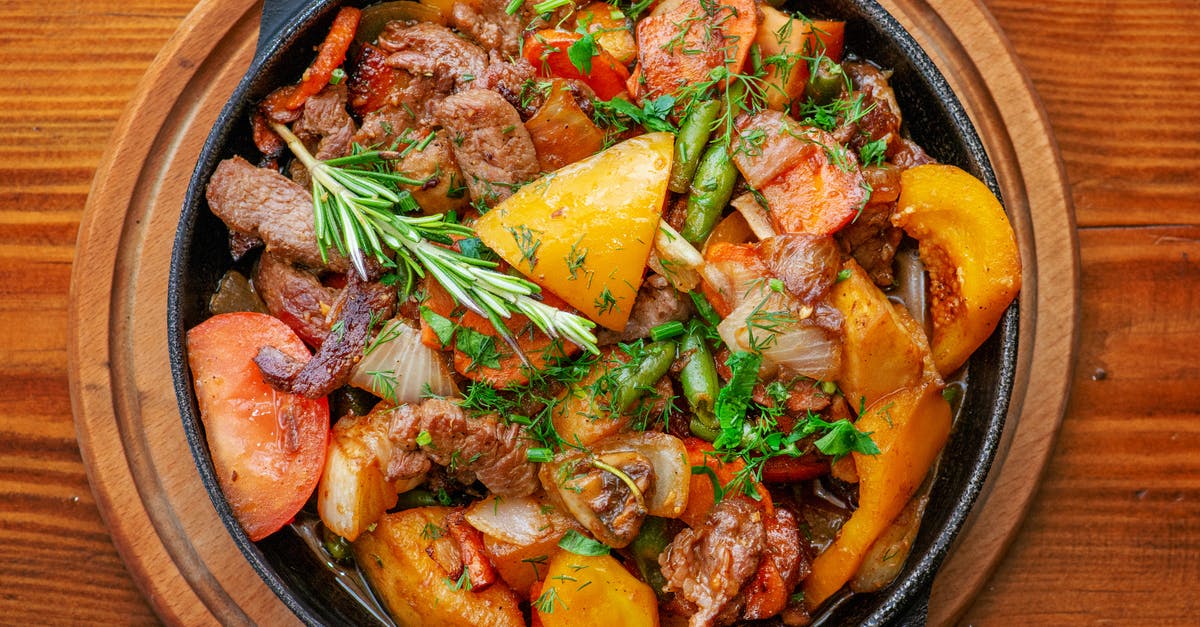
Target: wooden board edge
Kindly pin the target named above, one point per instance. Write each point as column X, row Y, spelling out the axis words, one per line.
column 89, row 350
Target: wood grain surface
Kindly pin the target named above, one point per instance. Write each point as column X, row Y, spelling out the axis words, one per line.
column 1114, row 533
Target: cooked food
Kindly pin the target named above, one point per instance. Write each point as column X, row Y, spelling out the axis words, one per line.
column 584, row 314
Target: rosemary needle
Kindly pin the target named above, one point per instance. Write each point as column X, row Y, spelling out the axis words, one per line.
column 354, row 211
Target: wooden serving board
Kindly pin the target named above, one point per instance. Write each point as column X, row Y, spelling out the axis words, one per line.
column 126, row 416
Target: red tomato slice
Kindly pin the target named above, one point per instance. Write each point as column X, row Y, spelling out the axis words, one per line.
column 268, row 447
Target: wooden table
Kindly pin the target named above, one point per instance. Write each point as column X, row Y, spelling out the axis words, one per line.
column 1114, row 533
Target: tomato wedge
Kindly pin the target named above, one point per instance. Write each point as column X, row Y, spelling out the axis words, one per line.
column 268, row 447
column 548, row 50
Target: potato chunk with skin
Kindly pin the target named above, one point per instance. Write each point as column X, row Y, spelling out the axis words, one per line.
column 970, row 252
column 415, row 588
column 593, row 590
column 353, row 492
column 884, row 349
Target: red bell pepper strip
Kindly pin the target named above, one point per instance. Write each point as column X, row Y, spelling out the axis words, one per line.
column 547, row 50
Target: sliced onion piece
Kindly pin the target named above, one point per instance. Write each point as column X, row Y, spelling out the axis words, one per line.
column 675, row 258
column 397, row 367
column 680, row 277
column 786, row 336
column 672, row 473
column 520, row 520
column 756, row 216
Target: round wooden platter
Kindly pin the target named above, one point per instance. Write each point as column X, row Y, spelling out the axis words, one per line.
column 132, row 439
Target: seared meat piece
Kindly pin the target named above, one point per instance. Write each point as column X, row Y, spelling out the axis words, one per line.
column 707, row 566
column 295, row 296
column 330, row 368
column 382, row 127
column 265, row 204
column 872, row 241
column 242, row 243
column 406, row 464
column 782, row 566
column 906, row 154
column 882, row 117
column 470, row 447
column 325, row 123
column 443, row 186
column 488, row 23
column 325, row 128
column 491, row 145
column 657, row 302
column 435, row 52
column 510, row 80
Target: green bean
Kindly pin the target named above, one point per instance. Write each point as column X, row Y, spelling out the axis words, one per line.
column 650, row 542
column 641, row 373
column 827, row 82
column 417, row 498
column 710, row 192
column 690, row 142
column 699, row 381
column 703, row 431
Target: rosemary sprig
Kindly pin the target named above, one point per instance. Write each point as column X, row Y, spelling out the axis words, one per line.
column 353, row 211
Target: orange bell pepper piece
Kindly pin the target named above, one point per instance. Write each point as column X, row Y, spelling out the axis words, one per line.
column 910, row 427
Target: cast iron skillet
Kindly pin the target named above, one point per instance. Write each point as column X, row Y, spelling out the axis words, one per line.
column 933, row 117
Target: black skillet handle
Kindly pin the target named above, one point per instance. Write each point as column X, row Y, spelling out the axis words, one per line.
column 275, row 15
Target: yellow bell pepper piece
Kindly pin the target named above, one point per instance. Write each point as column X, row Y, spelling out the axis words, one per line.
column 970, row 252
column 909, row 426
column 585, row 231
column 585, row 591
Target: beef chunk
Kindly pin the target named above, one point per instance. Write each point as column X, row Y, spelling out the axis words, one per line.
column 488, row 23
column 295, row 296
column 435, row 52
column 325, row 123
column 657, row 302
column 783, row 565
column 491, row 145
column 881, row 119
column 470, row 447
column 511, row 80
column 872, row 241
column 325, row 128
column 707, row 566
column 265, row 204
column 330, row 368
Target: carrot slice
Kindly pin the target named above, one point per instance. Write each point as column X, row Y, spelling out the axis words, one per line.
column 684, row 43
column 331, row 54
column 539, row 348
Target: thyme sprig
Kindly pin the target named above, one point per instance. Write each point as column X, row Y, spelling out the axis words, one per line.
column 353, row 210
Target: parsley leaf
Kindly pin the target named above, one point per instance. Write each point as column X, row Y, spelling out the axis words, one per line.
column 580, row 544
column 653, row 116
column 734, row 398
column 872, row 153
column 442, row 327
column 581, row 52
column 843, row 438
column 479, row 347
